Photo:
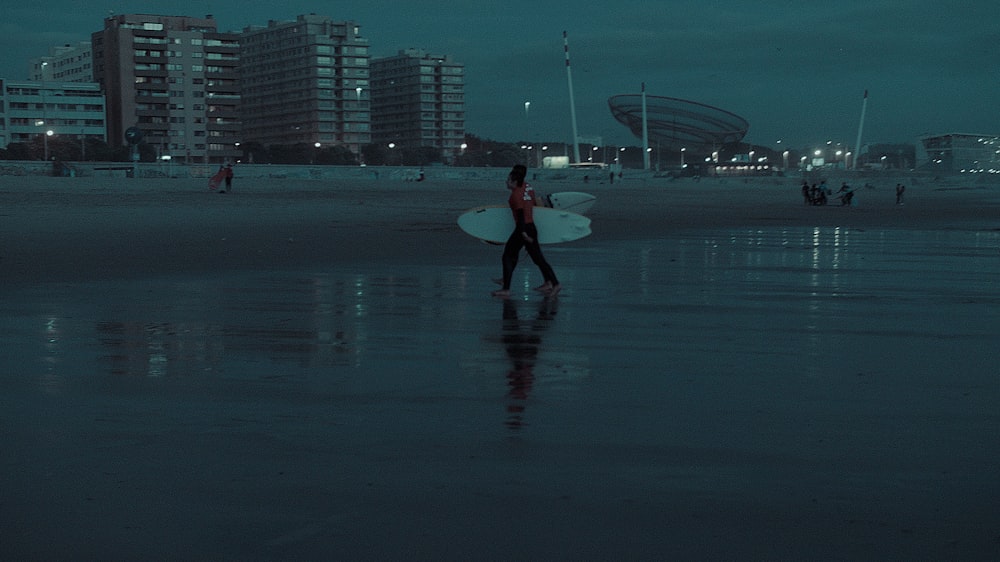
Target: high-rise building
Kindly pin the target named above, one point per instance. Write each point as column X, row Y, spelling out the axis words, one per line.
column 35, row 112
column 305, row 82
column 418, row 99
column 68, row 63
column 176, row 79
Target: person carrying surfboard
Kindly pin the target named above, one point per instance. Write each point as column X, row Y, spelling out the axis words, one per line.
column 522, row 202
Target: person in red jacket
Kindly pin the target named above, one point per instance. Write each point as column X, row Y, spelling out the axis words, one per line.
column 522, row 202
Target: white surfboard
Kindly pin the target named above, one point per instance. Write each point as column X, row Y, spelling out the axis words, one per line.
column 494, row 224
column 575, row 201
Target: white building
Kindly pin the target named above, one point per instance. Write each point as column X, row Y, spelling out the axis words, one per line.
column 68, row 63
column 32, row 111
column 961, row 152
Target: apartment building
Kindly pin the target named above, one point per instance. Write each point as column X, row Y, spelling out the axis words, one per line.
column 418, row 99
column 35, row 112
column 176, row 78
column 305, row 82
column 67, row 63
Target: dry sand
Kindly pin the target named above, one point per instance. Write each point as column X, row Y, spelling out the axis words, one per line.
column 304, row 370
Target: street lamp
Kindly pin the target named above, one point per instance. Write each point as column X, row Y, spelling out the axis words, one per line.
column 683, row 150
column 45, row 142
column 316, row 153
column 392, row 146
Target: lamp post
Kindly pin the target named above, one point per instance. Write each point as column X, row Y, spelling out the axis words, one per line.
column 45, row 138
column 316, row 152
column 683, row 150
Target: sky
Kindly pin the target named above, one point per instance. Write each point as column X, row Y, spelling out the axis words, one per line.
column 797, row 71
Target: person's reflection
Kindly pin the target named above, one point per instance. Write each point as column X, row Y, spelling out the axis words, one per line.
column 521, row 341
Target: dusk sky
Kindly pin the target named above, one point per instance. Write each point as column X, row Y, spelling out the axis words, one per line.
column 797, row 71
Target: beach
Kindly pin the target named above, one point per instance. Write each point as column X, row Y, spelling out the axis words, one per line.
column 307, row 370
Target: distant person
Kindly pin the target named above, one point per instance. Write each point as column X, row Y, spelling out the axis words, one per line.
column 228, row 175
column 217, row 179
column 847, row 194
column 522, row 202
column 806, row 193
column 900, row 189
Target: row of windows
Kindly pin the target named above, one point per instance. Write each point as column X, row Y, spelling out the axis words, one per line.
column 180, row 68
column 350, row 61
column 28, row 122
column 35, row 91
column 56, row 106
column 157, row 120
column 196, row 41
column 342, row 50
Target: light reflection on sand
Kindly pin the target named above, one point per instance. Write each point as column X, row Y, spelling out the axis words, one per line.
column 803, row 282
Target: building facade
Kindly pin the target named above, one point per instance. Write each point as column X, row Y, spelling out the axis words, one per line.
column 418, row 99
column 305, row 82
column 176, row 79
column 68, row 63
column 48, row 111
column 961, row 153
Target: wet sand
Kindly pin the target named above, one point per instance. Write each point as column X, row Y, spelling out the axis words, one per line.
column 306, row 371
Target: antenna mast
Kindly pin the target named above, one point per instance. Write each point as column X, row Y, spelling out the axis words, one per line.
column 572, row 103
column 861, row 125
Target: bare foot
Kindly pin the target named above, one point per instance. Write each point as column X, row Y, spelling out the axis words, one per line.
column 502, row 293
column 544, row 288
column 554, row 290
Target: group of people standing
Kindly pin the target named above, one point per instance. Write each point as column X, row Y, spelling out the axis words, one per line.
column 820, row 194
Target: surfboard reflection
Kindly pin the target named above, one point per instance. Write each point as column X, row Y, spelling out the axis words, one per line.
column 522, row 340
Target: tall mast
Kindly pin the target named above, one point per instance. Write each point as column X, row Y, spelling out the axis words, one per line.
column 572, row 103
column 645, row 131
column 861, row 125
